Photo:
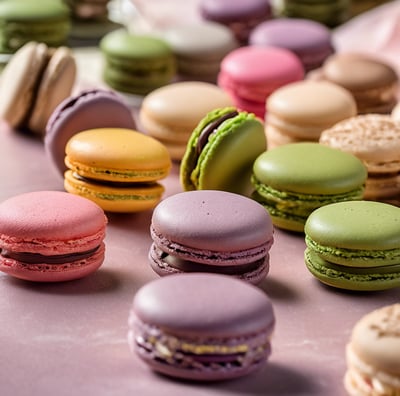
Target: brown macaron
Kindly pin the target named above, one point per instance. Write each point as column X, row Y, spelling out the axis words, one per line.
column 372, row 82
column 375, row 139
column 33, row 83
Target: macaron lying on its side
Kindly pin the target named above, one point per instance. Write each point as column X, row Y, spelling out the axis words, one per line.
column 354, row 245
column 202, row 327
column 372, row 354
column 33, row 83
column 211, row 231
column 293, row 180
column 117, row 168
column 89, row 109
column 51, row 236
column 221, row 151
column 170, row 113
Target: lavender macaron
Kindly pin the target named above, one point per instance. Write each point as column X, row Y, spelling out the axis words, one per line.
column 89, row 109
column 201, row 327
column 211, row 231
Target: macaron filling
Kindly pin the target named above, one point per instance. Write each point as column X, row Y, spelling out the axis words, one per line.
column 212, row 353
column 37, row 258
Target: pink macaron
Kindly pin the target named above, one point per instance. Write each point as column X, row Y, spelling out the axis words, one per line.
column 89, row 109
column 211, row 231
column 51, row 236
column 202, row 327
column 250, row 74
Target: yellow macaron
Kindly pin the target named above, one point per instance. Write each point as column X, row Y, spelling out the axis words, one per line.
column 117, row 168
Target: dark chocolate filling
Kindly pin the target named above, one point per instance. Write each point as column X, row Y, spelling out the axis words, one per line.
column 210, row 129
column 110, row 183
column 191, row 266
column 37, row 258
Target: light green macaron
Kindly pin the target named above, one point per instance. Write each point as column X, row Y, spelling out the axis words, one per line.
column 221, row 151
column 354, row 245
column 294, row 179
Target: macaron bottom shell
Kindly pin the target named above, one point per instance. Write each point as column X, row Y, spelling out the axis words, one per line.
column 134, row 198
column 352, row 278
column 53, row 272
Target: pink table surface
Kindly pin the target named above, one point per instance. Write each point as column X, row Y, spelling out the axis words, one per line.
column 70, row 338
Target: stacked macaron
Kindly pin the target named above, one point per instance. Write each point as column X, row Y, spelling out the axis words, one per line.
column 300, row 111
column 354, row 245
column 375, row 139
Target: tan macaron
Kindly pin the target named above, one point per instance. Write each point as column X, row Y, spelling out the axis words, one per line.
column 373, row 354
column 375, row 139
column 300, row 111
column 33, row 83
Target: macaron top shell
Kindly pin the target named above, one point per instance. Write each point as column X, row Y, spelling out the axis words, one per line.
column 39, row 217
column 376, row 339
column 358, row 72
column 31, row 11
column 230, row 10
column 212, row 220
column 361, row 225
column 99, row 152
column 205, row 305
column 184, row 104
column 312, row 102
column 309, row 168
column 120, row 43
column 254, row 65
column 295, row 34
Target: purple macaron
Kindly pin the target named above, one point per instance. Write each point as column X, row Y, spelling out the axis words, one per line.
column 240, row 16
column 311, row 41
column 211, row 231
column 201, row 326
column 94, row 108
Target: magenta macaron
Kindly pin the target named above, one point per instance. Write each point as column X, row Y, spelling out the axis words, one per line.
column 89, row 109
column 211, row 231
column 201, row 327
column 250, row 74
column 51, row 236
column 310, row 40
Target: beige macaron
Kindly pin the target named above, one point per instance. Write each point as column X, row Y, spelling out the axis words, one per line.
column 373, row 354
column 373, row 82
column 375, row 139
column 33, row 83
column 170, row 113
column 300, row 111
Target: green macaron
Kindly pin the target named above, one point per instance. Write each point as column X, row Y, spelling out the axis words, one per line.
column 221, row 151
column 46, row 21
column 294, row 179
column 354, row 245
column 136, row 64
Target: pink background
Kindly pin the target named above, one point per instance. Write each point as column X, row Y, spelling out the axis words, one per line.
column 70, row 338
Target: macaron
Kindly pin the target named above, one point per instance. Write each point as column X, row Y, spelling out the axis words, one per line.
column 373, row 361
column 293, row 180
column 199, row 49
column 300, row 111
column 328, row 12
column 33, row 83
column 374, row 139
column 396, row 112
column 116, row 168
column 136, row 64
column 75, row 114
column 354, row 245
column 44, row 21
column 170, row 113
column 201, row 327
column 51, row 236
column 310, row 40
column 240, row 16
column 221, row 152
column 373, row 82
column 251, row 73
column 211, row 231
